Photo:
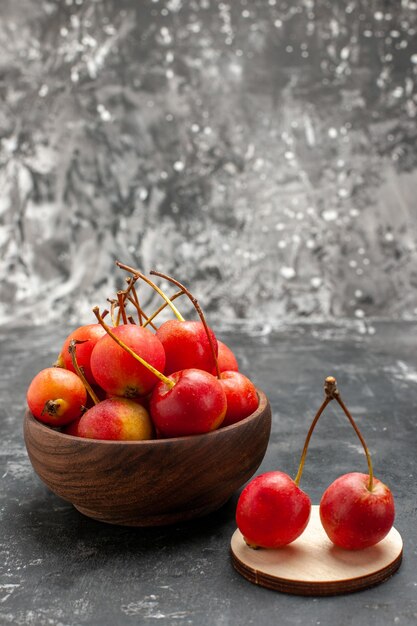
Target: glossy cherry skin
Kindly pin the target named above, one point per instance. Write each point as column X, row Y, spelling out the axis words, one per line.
column 56, row 396
column 242, row 397
column 195, row 404
column 186, row 346
column 272, row 511
column 354, row 517
column 89, row 334
column 116, row 419
column 117, row 372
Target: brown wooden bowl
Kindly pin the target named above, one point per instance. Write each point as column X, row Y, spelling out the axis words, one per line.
column 149, row 483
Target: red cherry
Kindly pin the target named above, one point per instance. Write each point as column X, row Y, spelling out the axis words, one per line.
column 195, row 404
column 186, row 345
column 89, row 335
column 226, row 359
column 241, row 395
column 272, row 511
column 117, row 372
column 353, row 516
column 116, row 419
column 56, row 396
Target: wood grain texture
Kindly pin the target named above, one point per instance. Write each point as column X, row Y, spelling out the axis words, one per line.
column 313, row 566
column 147, row 483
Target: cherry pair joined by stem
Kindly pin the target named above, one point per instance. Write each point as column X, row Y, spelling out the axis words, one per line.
column 356, row 510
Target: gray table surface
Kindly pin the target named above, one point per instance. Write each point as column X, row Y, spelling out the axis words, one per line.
column 58, row 567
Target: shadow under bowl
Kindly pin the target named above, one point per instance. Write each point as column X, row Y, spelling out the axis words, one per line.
column 149, row 483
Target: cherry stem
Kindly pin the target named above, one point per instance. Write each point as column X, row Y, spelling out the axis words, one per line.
column 138, row 274
column 168, row 381
column 134, row 298
column 72, row 349
column 361, row 439
column 329, row 390
column 161, row 308
column 142, row 313
column 121, row 301
column 131, row 295
column 332, row 393
column 199, row 311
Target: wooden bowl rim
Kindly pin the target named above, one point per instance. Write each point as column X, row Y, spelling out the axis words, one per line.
column 263, row 405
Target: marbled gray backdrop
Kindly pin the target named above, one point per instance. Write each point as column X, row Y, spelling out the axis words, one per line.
column 263, row 152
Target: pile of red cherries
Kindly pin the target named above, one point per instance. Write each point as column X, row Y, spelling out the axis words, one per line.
column 131, row 380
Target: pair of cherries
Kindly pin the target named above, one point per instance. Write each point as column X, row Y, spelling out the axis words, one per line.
column 356, row 510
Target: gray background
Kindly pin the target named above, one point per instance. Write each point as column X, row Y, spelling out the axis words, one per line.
column 263, row 152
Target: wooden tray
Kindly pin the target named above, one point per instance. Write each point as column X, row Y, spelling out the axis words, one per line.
column 313, row 566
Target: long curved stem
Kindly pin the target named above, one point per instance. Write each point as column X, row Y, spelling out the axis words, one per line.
column 329, row 390
column 361, row 439
column 199, row 311
column 139, row 274
column 72, row 350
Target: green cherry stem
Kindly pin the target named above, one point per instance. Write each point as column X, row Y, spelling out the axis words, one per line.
column 72, row 349
column 168, row 381
column 329, row 390
column 137, row 273
column 199, row 311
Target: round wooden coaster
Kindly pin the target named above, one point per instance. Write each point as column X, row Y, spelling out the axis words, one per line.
column 313, row 566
